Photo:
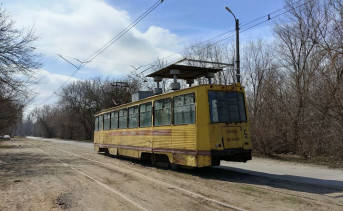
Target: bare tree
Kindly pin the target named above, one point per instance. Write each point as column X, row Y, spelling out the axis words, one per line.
column 263, row 82
column 213, row 52
column 18, row 61
column 79, row 101
column 257, row 61
column 330, row 86
column 299, row 55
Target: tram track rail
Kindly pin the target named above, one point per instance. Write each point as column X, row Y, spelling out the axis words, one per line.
column 204, row 197
column 199, row 195
column 186, row 181
column 190, row 193
column 122, row 195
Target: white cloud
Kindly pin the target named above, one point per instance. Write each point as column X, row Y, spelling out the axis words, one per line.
column 77, row 28
column 43, row 91
column 47, row 84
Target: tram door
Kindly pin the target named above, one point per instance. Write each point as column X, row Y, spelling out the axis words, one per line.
column 231, row 137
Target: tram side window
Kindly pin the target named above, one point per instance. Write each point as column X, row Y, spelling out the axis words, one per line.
column 123, row 118
column 133, row 117
column 227, row 107
column 184, row 109
column 107, row 119
column 162, row 112
column 145, row 115
column 96, row 124
column 101, row 122
column 114, row 120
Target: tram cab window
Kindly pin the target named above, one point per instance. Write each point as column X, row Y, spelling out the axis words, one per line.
column 162, row 112
column 133, row 117
column 114, row 120
column 227, row 107
column 145, row 115
column 107, row 118
column 184, row 109
column 123, row 118
column 96, row 124
column 101, row 122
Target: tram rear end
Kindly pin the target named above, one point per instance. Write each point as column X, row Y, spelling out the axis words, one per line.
column 228, row 129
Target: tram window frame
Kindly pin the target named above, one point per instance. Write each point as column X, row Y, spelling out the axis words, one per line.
column 227, row 106
column 237, row 107
column 123, row 115
column 144, row 116
column 101, row 122
column 161, row 109
column 114, row 120
column 107, row 121
column 133, row 114
column 96, row 123
column 180, row 109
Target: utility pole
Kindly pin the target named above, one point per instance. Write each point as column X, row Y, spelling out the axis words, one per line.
column 238, row 62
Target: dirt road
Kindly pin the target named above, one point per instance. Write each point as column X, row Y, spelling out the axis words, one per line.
column 38, row 174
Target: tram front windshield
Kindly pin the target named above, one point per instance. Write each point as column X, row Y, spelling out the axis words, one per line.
column 227, row 107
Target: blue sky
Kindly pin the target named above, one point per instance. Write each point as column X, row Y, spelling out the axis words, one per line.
column 77, row 28
column 200, row 17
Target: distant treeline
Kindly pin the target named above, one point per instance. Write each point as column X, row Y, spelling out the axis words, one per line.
column 73, row 115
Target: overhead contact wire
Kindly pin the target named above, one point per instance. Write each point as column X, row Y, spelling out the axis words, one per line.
column 137, row 20
column 107, row 45
column 232, row 35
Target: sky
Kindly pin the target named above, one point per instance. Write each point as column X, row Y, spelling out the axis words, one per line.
column 75, row 29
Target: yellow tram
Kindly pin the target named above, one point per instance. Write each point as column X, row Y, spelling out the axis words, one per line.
column 196, row 127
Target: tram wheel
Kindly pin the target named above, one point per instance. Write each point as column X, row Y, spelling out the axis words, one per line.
column 153, row 159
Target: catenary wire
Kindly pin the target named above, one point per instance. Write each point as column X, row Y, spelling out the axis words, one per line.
column 137, row 20
column 107, row 45
column 245, row 24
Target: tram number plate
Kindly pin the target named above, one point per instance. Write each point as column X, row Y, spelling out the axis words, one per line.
column 231, row 131
column 233, row 139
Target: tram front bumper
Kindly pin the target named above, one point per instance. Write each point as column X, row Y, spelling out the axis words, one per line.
column 239, row 155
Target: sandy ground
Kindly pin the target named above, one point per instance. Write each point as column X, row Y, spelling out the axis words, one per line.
column 39, row 174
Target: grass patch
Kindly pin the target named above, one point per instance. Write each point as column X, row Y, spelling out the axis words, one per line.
column 4, row 139
column 294, row 200
column 254, row 190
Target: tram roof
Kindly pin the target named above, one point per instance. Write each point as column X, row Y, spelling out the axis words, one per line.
column 192, row 71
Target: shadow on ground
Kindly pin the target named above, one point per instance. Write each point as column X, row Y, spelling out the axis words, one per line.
column 289, row 182
column 235, row 175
